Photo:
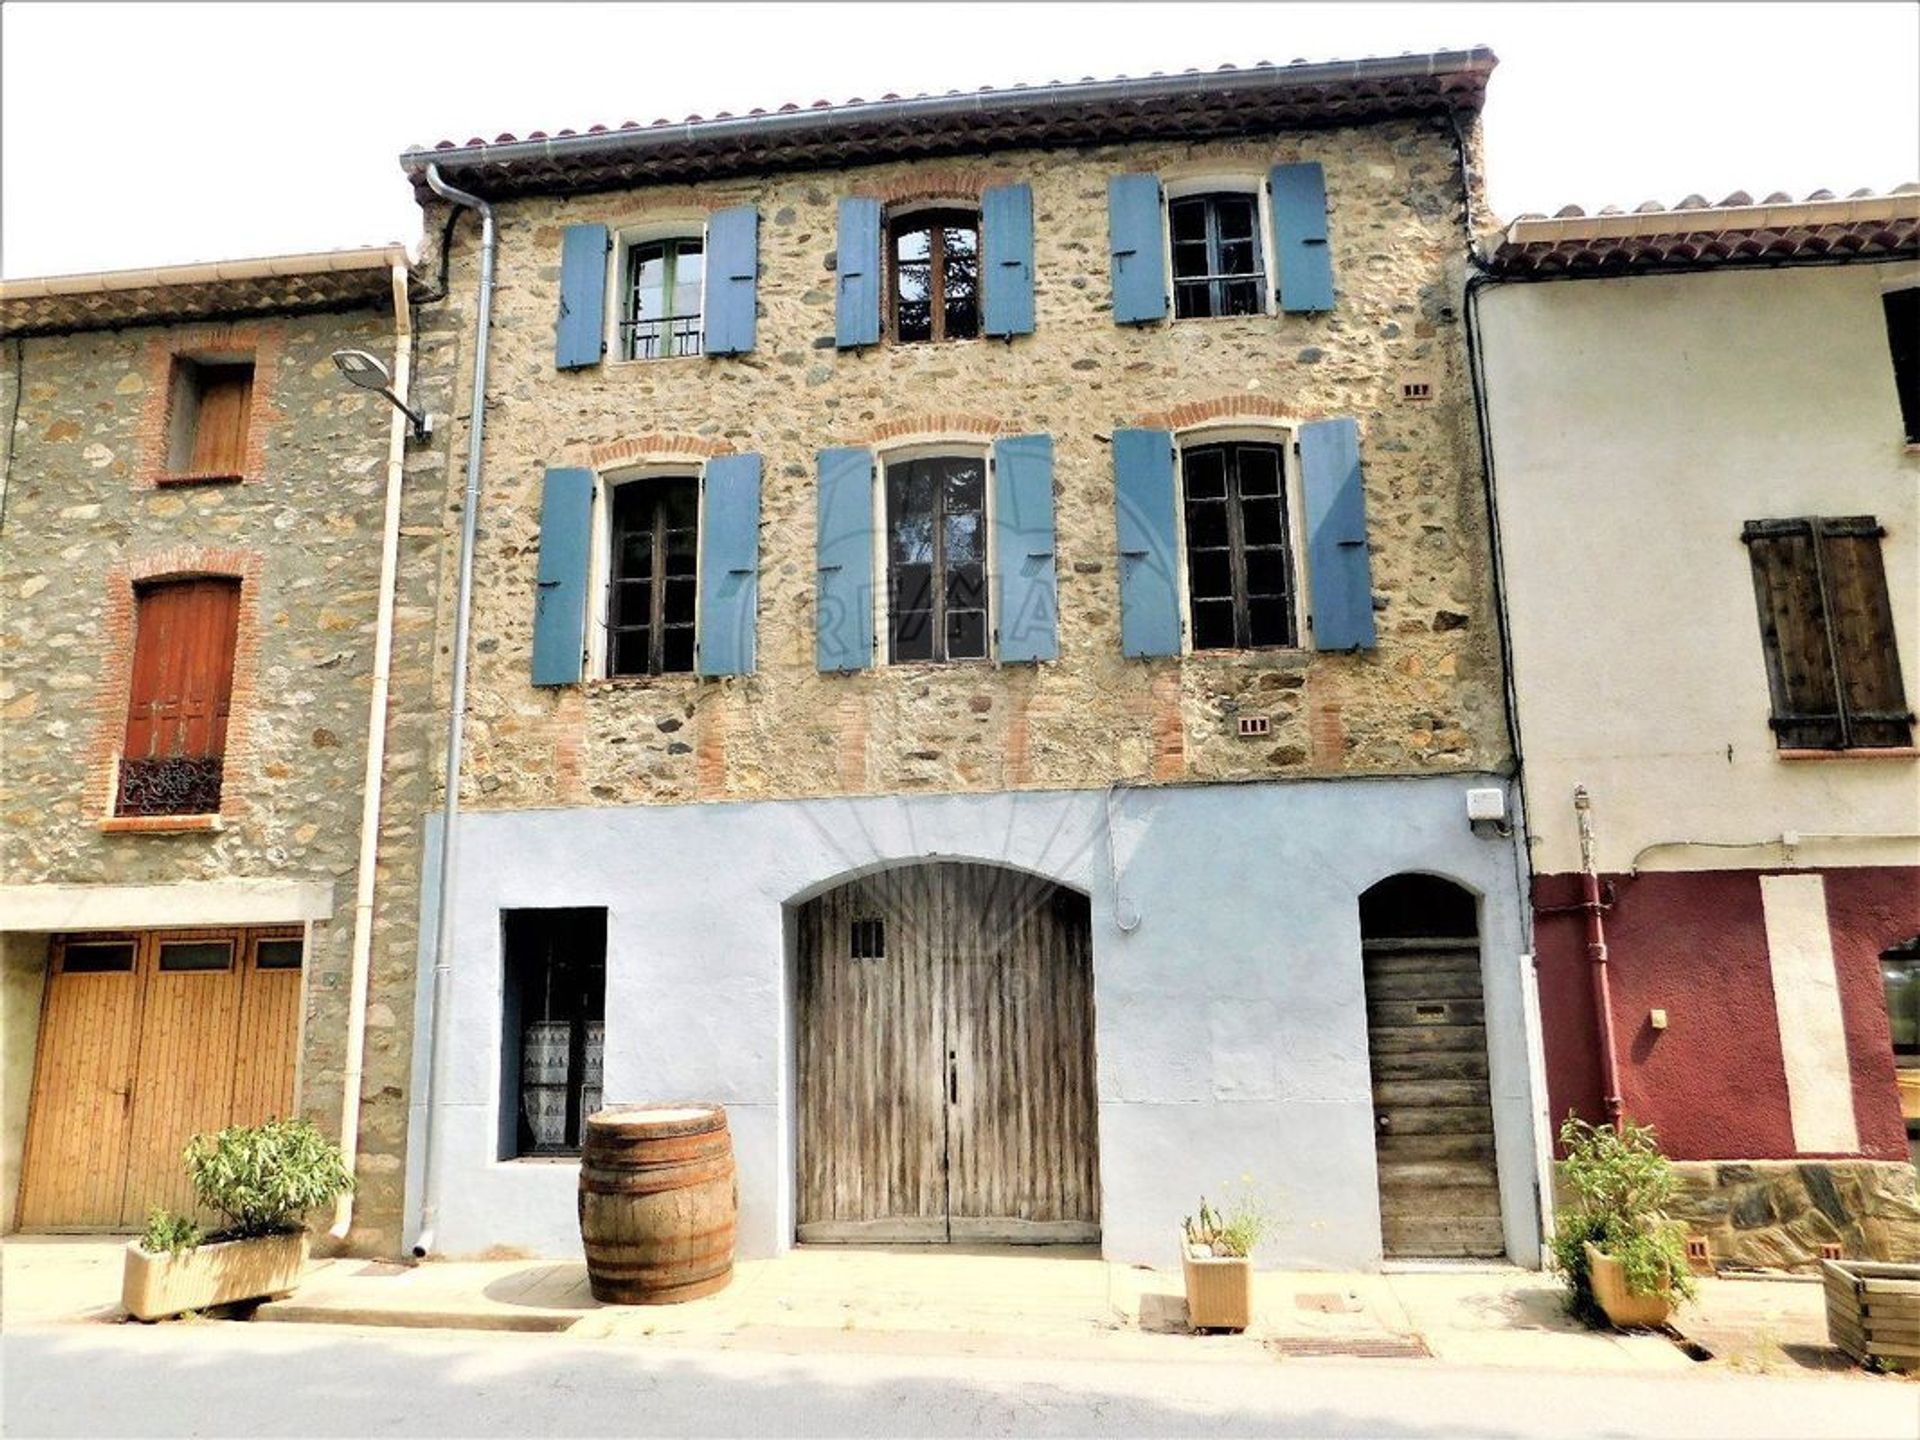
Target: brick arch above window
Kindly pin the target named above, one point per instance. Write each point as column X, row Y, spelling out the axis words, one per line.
column 953, row 425
column 656, row 445
column 111, row 698
column 934, row 184
column 1190, row 413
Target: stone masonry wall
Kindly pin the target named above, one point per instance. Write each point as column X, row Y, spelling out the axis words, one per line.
column 84, row 520
column 1776, row 1214
column 1427, row 700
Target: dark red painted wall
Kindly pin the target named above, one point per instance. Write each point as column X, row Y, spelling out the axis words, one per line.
column 1694, row 944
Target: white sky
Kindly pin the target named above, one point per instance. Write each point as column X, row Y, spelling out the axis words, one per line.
column 159, row 134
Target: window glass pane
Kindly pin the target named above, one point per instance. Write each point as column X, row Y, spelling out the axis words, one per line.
column 1268, row 621
column 631, row 652
column 966, row 634
column 98, row 958
column 678, row 600
column 1902, row 980
column 1206, row 525
column 910, row 512
column 196, row 955
column 1240, row 297
column 913, row 244
column 1213, row 625
column 1210, row 573
column 1236, row 257
column 689, row 271
column 277, row 955
column 1261, row 522
column 912, row 635
column 1266, row 572
column 913, row 587
column 677, row 645
column 1206, row 472
column 1189, row 219
column 962, row 282
column 1259, row 468
column 967, row 586
column 1234, row 216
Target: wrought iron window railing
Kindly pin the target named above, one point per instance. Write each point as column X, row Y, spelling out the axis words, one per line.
column 656, row 339
column 171, row 785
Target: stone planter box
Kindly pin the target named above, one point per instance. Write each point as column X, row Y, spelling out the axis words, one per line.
column 1219, row 1291
column 1622, row 1307
column 155, row 1286
column 1873, row 1310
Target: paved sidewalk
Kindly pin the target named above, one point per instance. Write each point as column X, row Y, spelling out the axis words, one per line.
column 1065, row 1303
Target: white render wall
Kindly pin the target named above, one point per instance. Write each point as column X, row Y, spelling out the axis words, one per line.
column 1230, row 1023
column 1637, row 424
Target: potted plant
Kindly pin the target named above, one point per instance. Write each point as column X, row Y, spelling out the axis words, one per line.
column 1622, row 1259
column 262, row 1180
column 1216, row 1258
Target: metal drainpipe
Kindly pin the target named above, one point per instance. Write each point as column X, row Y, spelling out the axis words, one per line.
column 1597, row 960
column 355, row 1063
column 438, row 1040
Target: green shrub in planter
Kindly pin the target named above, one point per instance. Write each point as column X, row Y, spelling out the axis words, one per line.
column 265, row 1178
column 1621, row 1185
column 169, row 1233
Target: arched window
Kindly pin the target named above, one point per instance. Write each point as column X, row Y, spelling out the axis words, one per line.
column 1240, row 566
column 935, row 261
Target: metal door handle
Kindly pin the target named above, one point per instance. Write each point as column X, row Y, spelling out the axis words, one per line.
column 1383, row 1121
column 953, row 1078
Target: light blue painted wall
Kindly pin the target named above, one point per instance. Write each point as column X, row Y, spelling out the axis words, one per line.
column 1230, row 1021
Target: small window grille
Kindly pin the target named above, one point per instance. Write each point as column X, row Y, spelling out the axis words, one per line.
column 1252, row 727
column 1412, row 389
column 869, row 941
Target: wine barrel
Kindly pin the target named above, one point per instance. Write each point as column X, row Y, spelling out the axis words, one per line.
column 658, row 1202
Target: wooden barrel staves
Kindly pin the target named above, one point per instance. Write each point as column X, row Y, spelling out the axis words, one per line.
column 658, row 1203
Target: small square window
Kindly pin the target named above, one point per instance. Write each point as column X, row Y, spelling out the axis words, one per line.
column 211, row 413
column 869, row 939
column 278, row 955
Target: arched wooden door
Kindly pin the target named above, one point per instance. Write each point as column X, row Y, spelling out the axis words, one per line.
column 946, row 1072
column 1427, row 1048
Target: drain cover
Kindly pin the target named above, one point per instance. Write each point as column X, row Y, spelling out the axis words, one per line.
column 1360, row 1347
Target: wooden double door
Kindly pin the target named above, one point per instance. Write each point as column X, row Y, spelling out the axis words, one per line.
column 946, row 1060
column 145, row 1039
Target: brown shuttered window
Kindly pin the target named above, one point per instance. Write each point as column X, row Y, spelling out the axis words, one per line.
column 212, row 411
column 1827, row 627
column 171, row 762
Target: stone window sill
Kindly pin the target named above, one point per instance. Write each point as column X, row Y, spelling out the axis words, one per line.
column 159, row 824
column 1887, row 752
column 199, row 477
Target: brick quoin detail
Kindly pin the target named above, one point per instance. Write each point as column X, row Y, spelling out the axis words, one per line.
column 851, row 727
column 1225, row 407
column 710, row 755
column 116, row 671
column 262, row 343
column 943, row 426
column 1169, row 730
column 653, row 446
column 1327, row 734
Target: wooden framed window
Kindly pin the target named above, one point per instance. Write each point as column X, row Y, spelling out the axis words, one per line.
column 1240, row 581
column 664, row 287
column 1900, row 975
column 652, row 575
column 937, row 558
column 1903, row 341
column 553, row 1041
column 212, row 412
column 936, row 275
column 1218, row 268
column 173, row 756
column 1826, row 626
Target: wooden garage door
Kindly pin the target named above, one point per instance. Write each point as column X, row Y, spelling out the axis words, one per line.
column 146, row 1039
column 1433, row 1121
column 946, row 1060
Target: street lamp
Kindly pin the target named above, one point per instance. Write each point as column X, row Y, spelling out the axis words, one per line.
column 366, row 372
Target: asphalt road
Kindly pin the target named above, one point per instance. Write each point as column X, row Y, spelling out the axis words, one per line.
column 216, row 1378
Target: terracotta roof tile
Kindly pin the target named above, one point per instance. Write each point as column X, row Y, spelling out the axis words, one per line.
column 1695, row 233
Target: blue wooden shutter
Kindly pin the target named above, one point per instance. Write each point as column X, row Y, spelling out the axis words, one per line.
column 1300, row 238
column 729, row 564
column 581, row 333
column 1027, row 617
column 1149, row 542
column 1134, row 235
column 843, row 543
column 733, row 261
column 560, row 600
column 856, row 316
column 1006, row 242
column 1338, row 568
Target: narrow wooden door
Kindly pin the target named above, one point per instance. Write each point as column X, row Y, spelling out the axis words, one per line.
column 1021, row 1141
column 75, row 1165
column 945, row 1017
column 872, row 1063
column 185, row 1082
column 1433, row 1118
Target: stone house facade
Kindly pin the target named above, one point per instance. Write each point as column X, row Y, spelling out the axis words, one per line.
column 196, row 508
column 850, row 631
column 1711, row 565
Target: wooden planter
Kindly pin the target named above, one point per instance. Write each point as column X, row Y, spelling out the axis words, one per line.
column 1219, row 1291
column 156, row 1286
column 1622, row 1306
column 1873, row 1310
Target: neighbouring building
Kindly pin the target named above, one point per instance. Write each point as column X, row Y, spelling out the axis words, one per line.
column 1706, row 441
column 192, row 644
column 983, row 653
